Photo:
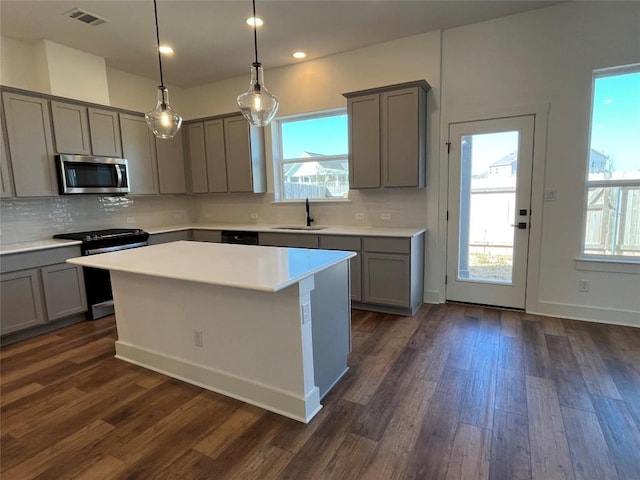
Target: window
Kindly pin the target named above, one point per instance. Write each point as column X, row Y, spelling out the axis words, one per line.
column 311, row 160
column 612, row 214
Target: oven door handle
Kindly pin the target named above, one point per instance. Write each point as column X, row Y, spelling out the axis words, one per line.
column 95, row 251
column 119, row 174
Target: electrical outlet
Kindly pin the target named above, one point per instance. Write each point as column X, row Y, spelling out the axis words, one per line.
column 254, row 216
column 359, row 216
column 198, row 341
column 584, row 285
column 549, row 196
column 131, row 219
column 385, row 216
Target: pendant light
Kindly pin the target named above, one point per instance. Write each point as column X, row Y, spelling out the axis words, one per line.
column 257, row 105
column 162, row 120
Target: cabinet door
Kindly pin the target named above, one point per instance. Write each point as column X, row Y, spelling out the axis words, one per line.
column 216, row 163
column 403, row 137
column 71, row 128
column 353, row 244
column 30, row 145
column 105, row 133
column 238, row 154
column 21, row 305
column 5, row 178
column 139, row 148
column 171, row 174
column 299, row 240
column 64, row 291
column 364, row 141
column 387, row 279
column 197, row 158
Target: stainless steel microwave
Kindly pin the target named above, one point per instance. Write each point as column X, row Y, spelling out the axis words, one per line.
column 84, row 174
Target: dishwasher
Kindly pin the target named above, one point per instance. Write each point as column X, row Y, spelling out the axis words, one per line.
column 241, row 238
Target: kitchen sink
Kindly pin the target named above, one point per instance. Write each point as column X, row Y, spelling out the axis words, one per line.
column 294, row 227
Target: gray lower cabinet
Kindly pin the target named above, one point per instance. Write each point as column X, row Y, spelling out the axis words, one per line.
column 225, row 154
column 139, row 148
column 30, row 145
column 353, row 244
column 171, row 167
column 64, row 291
column 296, row 240
column 21, row 305
column 40, row 287
column 393, row 271
column 166, row 237
column 387, row 136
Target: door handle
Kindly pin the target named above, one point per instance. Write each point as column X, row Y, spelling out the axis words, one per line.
column 520, row 225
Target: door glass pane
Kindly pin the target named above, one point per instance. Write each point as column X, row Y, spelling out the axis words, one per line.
column 488, row 206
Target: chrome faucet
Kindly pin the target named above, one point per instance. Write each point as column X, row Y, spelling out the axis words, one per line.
column 309, row 219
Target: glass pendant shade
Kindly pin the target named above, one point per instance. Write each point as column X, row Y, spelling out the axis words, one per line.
column 163, row 120
column 258, row 105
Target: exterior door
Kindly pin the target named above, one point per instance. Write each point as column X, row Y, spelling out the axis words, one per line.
column 490, row 168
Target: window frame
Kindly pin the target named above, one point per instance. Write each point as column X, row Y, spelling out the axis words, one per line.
column 279, row 160
column 600, row 259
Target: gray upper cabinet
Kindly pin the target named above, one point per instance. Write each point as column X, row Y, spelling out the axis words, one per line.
column 197, row 158
column 387, row 136
column 364, row 141
column 71, row 128
column 139, row 148
column 5, row 178
column 228, row 153
column 104, row 126
column 30, row 145
column 216, row 159
column 171, row 168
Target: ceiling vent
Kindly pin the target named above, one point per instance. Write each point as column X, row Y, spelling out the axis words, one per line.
column 86, row 17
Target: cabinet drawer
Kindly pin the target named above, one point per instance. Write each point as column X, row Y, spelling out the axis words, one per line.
column 167, row 237
column 38, row 258
column 288, row 240
column 387, row 245
column 213, row 236
column 339, row 242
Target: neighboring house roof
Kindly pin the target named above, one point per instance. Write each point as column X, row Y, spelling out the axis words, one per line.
column 506, row 160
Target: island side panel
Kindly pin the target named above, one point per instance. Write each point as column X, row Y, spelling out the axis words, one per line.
column 331, row 320
column 255, row 346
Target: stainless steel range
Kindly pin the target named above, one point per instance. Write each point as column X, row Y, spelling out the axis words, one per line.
column 97, row 282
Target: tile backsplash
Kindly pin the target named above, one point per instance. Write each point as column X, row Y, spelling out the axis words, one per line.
column 23, row 220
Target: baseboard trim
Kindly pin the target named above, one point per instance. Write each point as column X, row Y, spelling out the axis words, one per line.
column 611, row 316
column 260, row 395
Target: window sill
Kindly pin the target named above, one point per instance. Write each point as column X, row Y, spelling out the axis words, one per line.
column 298, row 201
column 605, row 265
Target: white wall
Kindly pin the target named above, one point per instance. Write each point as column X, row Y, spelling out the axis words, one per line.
column 547, row 57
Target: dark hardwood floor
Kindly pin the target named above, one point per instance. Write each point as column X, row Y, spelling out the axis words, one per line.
column 455, row 392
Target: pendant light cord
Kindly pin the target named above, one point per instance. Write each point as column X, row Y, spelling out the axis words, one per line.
column 255, row 32
column 155, row 9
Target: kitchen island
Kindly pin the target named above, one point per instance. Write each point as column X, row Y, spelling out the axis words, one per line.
column 266, row 325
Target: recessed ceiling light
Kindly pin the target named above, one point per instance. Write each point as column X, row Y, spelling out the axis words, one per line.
column 255, row 21
column 166, row 50
column 299, row 55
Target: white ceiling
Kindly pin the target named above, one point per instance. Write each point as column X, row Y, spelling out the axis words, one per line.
column 212, row 41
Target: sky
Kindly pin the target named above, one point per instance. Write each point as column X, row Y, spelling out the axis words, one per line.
column 326, row 136
column 615, row 127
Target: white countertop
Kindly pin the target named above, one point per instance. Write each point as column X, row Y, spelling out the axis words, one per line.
column 20, row 247
column 267, row 269
column 325, row 230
